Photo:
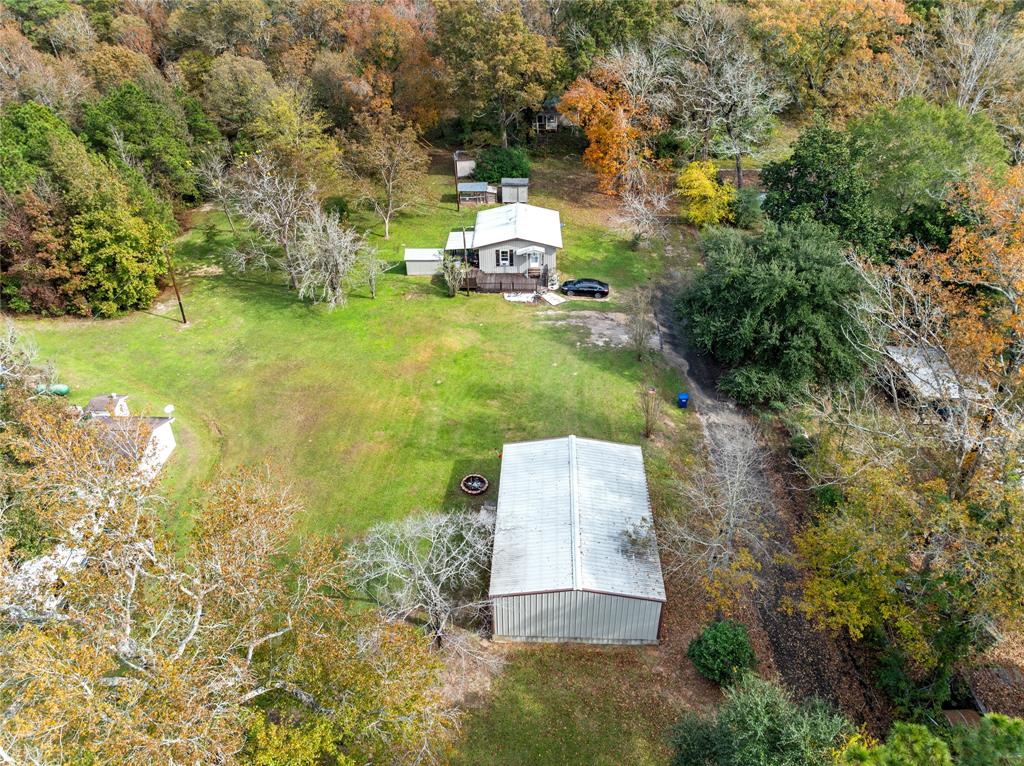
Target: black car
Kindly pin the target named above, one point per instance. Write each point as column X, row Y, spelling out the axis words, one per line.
column 595, row 288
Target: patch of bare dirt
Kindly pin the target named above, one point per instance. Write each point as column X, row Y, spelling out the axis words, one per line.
column 607, row 329
column 211, row 270
column 997, row 679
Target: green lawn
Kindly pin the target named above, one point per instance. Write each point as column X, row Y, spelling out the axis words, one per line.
column 572, row 705
column 378, row 409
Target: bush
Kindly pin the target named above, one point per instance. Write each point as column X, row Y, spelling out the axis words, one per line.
column 772, row 308
column 722, row 651
column 706, row 201
column 759, row 724
column 746, row 209
column 497, row 162
column 998, row 741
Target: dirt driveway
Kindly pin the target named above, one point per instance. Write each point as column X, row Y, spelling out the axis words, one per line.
column 809, row 661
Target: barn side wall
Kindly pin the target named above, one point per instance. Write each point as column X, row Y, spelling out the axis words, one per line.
column 577, row 616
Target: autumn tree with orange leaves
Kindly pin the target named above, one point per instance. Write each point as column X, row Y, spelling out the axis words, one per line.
column 818, row 42
column 621, row 105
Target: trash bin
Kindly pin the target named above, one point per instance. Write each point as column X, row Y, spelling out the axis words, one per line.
column 682, row 400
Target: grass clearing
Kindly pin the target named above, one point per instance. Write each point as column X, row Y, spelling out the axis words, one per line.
column 378, row 409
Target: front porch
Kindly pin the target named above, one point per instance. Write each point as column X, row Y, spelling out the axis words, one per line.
column 503, row 283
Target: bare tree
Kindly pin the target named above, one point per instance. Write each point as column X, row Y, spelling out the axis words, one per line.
column 640, row 322
column 454, row 270
column 216, row 181
column 325, row 255
column 721, row 530
column 370, row 268
column 432, row 566
column 954, row 408
column 981, row 56
column 641, row 207
column 275, row 202
column 650, row 408
column 388, row 162
column 727, row 101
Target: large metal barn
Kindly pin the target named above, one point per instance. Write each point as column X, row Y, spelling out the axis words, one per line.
column 575, row 558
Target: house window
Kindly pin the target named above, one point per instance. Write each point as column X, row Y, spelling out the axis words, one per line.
column 504, row 257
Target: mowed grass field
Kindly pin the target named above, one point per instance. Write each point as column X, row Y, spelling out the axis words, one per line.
column 377, row 409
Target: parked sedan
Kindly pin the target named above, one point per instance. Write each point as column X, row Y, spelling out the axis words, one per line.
column 595, row 288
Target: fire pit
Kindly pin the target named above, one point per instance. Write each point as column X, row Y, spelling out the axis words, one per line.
column 474, row 484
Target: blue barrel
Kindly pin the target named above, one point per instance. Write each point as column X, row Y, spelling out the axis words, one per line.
column 682, row 400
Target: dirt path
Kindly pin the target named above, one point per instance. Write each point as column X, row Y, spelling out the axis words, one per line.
column 809, row 661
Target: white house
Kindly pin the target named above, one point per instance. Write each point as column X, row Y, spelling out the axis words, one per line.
column 575, row 555
column 511, row 239
column 109, row 412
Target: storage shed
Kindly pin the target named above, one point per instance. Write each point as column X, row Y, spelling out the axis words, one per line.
column 515, row 190
column 575, row 557
column 423, row 261
column 477, row 193
column 464, row 164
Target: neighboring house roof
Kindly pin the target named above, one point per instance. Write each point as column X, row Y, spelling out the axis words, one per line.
column 928, row 373
column 104, row 403
column 518, row 221
column 574, row 514
column 476, row 187
column 515, row 181
column 423, row 254
column 459, row 240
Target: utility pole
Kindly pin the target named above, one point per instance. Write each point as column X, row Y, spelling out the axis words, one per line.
column 174, row 281
column 455, row 164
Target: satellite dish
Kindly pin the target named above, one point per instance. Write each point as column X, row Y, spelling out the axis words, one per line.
column 168, row 409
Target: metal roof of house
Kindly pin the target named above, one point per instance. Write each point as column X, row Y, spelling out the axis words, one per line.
column 423, row 254
column 456, row 240
column 518, row 221
column 476, row 186
column 574, row 514
column 929, row 374
column 515, row 181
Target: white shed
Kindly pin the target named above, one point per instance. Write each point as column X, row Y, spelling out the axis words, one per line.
column 423, row 261
column 515, row 190
column 575, row 557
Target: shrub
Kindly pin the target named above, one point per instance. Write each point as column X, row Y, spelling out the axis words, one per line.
column 771, row 307
column 706, row 201
column 722, row 651
column 746, row 209
column 998, row 741
column 759, row 724
column 497, row 162
column 908, row 744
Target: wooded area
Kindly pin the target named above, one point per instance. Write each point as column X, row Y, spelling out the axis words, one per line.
column 820, row 202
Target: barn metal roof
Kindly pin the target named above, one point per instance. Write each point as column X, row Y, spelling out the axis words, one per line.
column 518, row 221
column 574, row 514
column 515, row 181
column 476, row 186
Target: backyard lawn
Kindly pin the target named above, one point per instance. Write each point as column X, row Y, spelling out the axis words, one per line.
column 377, row 410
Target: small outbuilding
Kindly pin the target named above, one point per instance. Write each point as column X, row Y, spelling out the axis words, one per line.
column 423, row 261
column 477, row 193
column 575, row 556
column 464, row 164
column 515, row 190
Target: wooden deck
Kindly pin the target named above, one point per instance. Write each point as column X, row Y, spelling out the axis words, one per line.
column 501, row 283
